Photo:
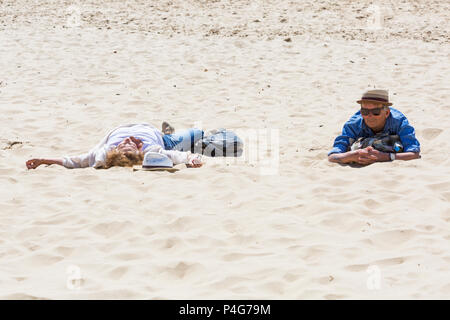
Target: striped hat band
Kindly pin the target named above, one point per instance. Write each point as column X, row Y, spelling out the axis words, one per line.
column 376, row 96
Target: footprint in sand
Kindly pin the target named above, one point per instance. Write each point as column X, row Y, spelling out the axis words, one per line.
column 389, row 262
column 446, row 196
column 22, row 296
column 181, row 270
column 43, row 259
column 275, row 288
column 383, row 263
column 118, row 272
column 371, row 204
column 442, row 186
column 291, row 277
column 180, row 224
column 169, row 243
column 357, row 267
column 431, row 133
column 127, row 256
column 112, row 229
column 228, row 282
column 394, row 237
column 9, row 179
column 239, row 256
column 64, row 251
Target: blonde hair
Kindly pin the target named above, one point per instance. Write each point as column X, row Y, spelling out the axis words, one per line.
column 117, row 158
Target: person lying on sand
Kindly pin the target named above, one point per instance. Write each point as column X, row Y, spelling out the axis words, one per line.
column 375, row 117
column 126, row 145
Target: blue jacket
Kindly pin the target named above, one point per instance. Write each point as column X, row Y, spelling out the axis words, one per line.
column 396, row 123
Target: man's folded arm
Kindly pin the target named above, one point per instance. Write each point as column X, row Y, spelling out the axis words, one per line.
column 341, row 145
column 411, row 146
column 408, row 138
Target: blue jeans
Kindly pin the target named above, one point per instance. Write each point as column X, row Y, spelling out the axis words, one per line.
column 183, row 140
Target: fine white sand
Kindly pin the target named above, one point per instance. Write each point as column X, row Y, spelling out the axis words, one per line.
column 284, row 224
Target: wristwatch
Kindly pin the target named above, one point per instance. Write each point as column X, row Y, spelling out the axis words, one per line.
column 392, row 156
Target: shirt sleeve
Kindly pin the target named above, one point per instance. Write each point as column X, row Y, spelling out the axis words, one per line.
column 407, row 135
column 177, row 157
column 80, row 161
column 94, row 158
column 342, row 142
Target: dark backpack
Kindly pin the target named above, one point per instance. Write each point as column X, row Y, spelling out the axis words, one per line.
column 381, row 141
column 220, row 143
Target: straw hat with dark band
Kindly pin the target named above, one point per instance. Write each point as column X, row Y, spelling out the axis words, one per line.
column 380, row 96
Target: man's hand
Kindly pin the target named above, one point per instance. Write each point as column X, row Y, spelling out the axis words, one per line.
column 370, row 155
column 381, row 156
column 34, row 163
column 194, row 161
column 364, row 156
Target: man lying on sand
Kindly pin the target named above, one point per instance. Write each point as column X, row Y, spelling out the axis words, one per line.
column 126, row 145
column 375, row 117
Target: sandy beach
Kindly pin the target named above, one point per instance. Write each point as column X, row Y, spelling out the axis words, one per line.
column 281, row 222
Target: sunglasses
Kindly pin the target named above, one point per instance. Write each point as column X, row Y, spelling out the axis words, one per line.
column 374, row 111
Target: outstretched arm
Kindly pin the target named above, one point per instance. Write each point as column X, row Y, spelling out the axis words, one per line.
column 360, row 156
column 345, row 157
column 81, row 161
column 192, row 160
column 369, row 155
column 34, row 163
column 384, row 156
column 407, row 156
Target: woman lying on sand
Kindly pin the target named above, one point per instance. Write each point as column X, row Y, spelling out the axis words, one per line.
column 126, row 145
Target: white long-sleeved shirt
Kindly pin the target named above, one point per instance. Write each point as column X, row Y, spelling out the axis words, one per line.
column 150, row 136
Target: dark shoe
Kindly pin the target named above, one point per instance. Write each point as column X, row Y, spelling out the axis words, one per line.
column 167, row 128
